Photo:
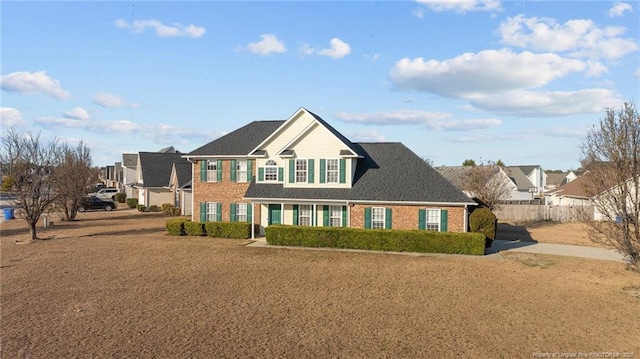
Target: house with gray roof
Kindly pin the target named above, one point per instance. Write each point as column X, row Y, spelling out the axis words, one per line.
column 180, row 186
column 302, row 171
column 516, row 181
column 153, row 174
column 129, row 167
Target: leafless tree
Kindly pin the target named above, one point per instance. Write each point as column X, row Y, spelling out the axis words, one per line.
column 488, row 183
column 611, row 154
column 75, row 176
column 32, row 164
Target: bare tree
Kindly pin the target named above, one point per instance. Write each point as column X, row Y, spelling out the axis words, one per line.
column 611, row 154
column 488, row 183
column 75, row 175
column 32, row 165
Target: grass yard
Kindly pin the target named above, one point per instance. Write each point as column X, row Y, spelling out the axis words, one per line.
column 114, row 285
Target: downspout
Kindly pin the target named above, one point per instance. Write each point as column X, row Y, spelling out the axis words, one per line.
column 253, row 226
column 466, row 215
column 348, row 214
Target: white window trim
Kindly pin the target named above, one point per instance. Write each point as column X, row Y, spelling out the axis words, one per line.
column 373, row 220
column 271, row 165
column 239, row 170
column 241, row 210
column 336, row 171
column 300, row 216
column 306, row 170
column 337, row 209
column 212, row 174
column 211, row 211
column 437, row 222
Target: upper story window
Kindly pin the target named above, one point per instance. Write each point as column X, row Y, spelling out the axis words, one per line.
column 241, row 171
column 333, row 170
column 212, row 171
column 301, row 170
column 271, row 171
column 377, row 217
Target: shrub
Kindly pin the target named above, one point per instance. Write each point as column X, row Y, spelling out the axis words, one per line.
column 194, row 228
column 142, row 208
column 132, row 202
column 383, row 240
column 175, row 227
column 121, row 197
column 482, row 220
column 166, row 208
column 175, row 211
column 240, row 230
column 153, row 208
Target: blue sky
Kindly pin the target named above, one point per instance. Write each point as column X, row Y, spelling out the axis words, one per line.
column 520, row 81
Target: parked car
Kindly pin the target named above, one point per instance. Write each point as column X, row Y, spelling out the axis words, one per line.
column 93, row 202
column 106, row 193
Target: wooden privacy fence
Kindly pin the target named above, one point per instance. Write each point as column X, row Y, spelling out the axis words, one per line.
column 529, row 213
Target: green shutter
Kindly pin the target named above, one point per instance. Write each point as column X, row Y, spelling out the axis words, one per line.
column 232, row 175
column 218, row 212
column 387, row 219
column 232, row 212
column 310, row 171
column 444, row 216
column 203, row 171
column 295, row 214
column 203, row 210
column 422, row 219
column 250, row 212
column 344, row 216
column 260, row 174
column 280, row 174
column 219, row 167
column 343, row 170
column 325, row 214
column 249, row 170
column 323, row 170
column 367, row 217
column 292, row 171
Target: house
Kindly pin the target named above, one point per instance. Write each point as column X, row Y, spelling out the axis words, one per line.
column 303, row 172
column 526, row 189
column 515, row 179
column 129, row 167
column 180, row 186
column 557, row 179
column 153, row 174
column 534, row 173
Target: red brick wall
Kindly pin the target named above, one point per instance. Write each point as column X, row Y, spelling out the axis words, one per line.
column 406, row 217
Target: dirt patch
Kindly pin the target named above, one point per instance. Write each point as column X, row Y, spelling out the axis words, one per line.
column 573, row 233
column 114, row 285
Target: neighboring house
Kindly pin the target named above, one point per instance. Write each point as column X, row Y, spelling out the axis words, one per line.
column 180, row 186
column 519, row 186
column 555, row 179
column 108, row 176
column 153, row 174
column 303, row 172
column 534, row 174
column 129, row 167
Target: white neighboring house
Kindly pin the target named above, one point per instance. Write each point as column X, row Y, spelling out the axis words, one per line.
column 518, row 182
column 534, row 174
column 129, row 166
column 180, row 184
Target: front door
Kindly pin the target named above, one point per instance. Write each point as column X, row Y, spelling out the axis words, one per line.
column 274, row 214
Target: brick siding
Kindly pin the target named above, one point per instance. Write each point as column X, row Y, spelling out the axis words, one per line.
column 406, row 217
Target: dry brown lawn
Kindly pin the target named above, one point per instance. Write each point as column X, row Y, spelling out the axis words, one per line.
column 114, row 285
column 574, row 233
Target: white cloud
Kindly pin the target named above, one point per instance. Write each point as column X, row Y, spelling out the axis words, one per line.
column 461, row 6
column 430, row 120
column 77, row 113
column 595, row 69
column 338, row 49
column 619, row 8
column 559, row 132
column 577, row 38
column 551, row 103
column 30, row 83
column 106, row 99
column 10, row 117
column 177, row 30
column 419, row 13
column 487, row 71
column 365, row 135
column 637, row 73
column 268, row 44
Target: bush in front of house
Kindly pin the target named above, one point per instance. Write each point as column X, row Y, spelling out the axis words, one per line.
column 132, row 202
column 120, row 197
column 154, row 208
column 142, row 208
column 239, row 230
column 377, row 239
column 175, row 227
column 194, row 228
column 482, row 220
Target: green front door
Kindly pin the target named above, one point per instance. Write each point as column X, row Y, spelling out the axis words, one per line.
column 274, row 214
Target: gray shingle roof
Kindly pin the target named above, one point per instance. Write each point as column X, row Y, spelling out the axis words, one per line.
column 387, row 172
column 519, row 178
column 183, row 172
column 240, row 141
column 156, row 167
column 129, row 159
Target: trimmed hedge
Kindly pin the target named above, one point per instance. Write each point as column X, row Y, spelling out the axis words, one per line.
column 142, row 208
column 240, row 230
column 175, row 227
column 132, row 202
column 377, row 239
column 121, row 197
column 482, row 220
column 194, row 228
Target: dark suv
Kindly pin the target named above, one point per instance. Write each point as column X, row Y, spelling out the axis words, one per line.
column 93, row 202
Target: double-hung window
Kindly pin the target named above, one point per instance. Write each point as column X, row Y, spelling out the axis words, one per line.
column 212, row 171
column 333, row 170
column 335, row 216
column 301, row 171
column 377, row 217
column 241, row 212
column 304, row 215
column 241, row 171
column 212, row 211
column 271, row 171
column 432, row 220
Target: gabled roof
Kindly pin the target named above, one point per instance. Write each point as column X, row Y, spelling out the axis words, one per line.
column 575, row 188
column 183, row 173
column 129, row 159
column 526, row 169
column 239, row 142
column 454, row 174
column 386, row 172
column 335, row 133
column 519, row 178
column 156, row 167
column 556, row 179
column 169, row 149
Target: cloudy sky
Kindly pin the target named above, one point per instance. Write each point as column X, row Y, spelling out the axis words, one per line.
column 520, row 81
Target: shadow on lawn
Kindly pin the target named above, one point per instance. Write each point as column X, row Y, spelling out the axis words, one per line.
column 510, row 236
